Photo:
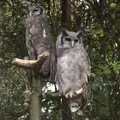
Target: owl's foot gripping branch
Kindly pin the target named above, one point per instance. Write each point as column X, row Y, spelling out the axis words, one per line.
column 33, row 64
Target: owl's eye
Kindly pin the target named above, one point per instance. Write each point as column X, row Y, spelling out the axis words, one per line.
column 67, row 39
column 35, row 10
column 76, row 40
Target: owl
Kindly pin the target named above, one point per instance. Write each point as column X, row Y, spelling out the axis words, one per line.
column 73, row 69
column 35, row 31
column 39, row 40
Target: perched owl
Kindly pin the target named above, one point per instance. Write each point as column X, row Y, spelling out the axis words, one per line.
column 39, row 39
column 73, row 69
column 35, row 32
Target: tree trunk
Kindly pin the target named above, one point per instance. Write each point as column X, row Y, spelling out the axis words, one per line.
column 65, row 20
column 65, row 16
column 35, row 105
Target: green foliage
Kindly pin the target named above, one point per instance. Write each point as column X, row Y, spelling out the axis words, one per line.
column 101, row 20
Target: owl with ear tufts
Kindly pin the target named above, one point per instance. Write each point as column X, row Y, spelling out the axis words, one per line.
column 73, row 69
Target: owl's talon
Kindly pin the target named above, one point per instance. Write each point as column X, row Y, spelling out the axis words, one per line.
column 67, row 95
column 79, row 91
column 71, row 94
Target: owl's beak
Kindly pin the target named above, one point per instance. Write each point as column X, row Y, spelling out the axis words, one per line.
column 72, row 44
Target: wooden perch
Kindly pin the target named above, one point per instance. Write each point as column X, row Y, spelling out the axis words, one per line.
column 32, row 63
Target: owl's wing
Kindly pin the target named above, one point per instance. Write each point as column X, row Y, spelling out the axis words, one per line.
column 84, row 61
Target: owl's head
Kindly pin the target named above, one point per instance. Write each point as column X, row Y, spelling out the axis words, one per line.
column 68, row 39
column 35, row 11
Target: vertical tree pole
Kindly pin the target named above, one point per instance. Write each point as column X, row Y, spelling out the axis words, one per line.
column 35, row 105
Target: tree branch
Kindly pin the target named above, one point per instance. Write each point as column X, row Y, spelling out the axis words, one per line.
column 32, row 63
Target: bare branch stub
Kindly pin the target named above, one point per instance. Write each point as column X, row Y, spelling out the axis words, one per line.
column 31, row 63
